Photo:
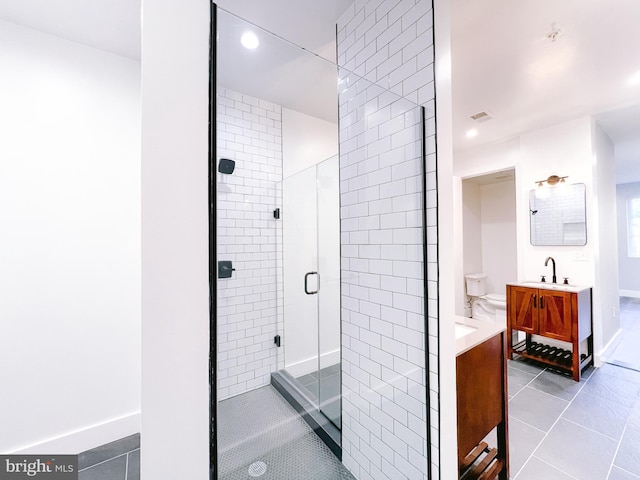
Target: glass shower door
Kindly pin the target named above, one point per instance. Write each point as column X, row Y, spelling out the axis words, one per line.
column 300, row 267
column 311, row 266
column 328, row 240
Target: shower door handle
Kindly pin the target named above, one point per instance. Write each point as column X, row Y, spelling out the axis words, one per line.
column 306, row 283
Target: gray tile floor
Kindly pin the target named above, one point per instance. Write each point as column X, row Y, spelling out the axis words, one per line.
column 328, row 391
column 119, row 460
column 260, row 426
column 560, row 429
column 627, row 353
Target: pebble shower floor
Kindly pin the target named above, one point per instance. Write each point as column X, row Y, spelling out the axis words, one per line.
column 262, row 436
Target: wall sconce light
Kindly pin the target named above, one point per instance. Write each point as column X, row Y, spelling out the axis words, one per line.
column 551, row 180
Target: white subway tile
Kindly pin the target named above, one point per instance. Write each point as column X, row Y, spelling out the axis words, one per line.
column 408, row 35
column 381, row 237
column 393, row 221
column 384, row 205
column 393, row 284
column 392, row 189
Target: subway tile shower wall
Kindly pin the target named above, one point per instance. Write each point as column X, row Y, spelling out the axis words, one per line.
column 389, row 43
column 249, row 132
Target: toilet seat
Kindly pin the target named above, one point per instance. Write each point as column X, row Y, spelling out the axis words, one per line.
column 496, row 299
column 491, row 307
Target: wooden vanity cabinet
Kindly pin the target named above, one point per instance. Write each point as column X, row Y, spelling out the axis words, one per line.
column 555, row 314
column 481, row 376
column 541, row 312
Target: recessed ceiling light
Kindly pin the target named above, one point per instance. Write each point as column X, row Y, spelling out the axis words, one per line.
column 471, row 133
column 634, row 79
column 250, row 40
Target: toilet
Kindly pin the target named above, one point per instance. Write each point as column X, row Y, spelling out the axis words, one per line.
column 490, row 307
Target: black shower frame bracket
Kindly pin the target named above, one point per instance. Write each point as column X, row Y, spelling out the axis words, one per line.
column 225, row 269
column 226, row 166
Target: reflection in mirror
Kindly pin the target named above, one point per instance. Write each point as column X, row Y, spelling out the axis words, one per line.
column 558, row 215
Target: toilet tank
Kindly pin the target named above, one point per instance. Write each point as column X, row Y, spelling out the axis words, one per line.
column 476, row 284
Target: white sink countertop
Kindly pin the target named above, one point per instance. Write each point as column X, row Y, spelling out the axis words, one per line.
column 470, row 332
column 561, row 287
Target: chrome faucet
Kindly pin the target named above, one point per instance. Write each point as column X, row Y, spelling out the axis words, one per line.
column 553, row 262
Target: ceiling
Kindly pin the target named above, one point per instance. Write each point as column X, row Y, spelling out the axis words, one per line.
column 110, row 25
column 308, row 23
column 299, row 74
column 503, row 62
column 288, row 75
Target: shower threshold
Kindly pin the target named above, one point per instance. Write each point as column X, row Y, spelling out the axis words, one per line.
column 293, row 393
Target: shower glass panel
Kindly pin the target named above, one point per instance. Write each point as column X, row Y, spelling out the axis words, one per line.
column 311, row 264
column 289, row 210
column 329, row 378
column 300, row 266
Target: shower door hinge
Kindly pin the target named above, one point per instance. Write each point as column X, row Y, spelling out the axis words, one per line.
column 225, row 269
column 276, row 340
column 276, row 213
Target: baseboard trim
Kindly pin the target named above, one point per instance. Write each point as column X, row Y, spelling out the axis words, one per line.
column 83, row 439
column 310, row 365
column 603, row 355
column 629, row 293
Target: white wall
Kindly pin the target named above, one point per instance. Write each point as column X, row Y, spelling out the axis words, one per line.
column 628, row 267
column 606, row 301
column 471, row 163
column 449, row 244
column 489, row 234
column 70, row 244
column 575, row 149
column 471, row 228
column 175, row 240
column 564, row 149
column 561, row 149
column 306, row 141
column 498, row 237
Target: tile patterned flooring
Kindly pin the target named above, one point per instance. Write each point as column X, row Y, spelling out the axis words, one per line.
column 561, row 430
column 119, row 460
column 281, row 439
